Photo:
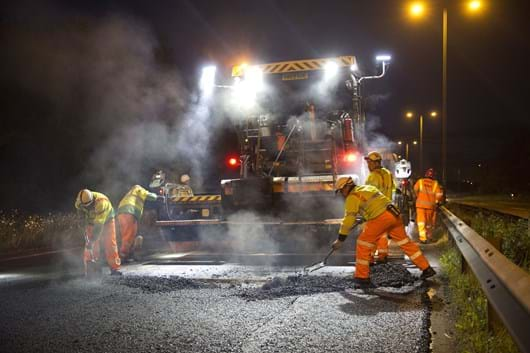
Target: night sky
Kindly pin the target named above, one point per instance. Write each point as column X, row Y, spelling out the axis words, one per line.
column 95, row 93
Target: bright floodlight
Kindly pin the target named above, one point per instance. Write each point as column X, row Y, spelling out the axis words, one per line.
column 207, row 81
column 383, row 58
column 254, row 78
column 474, row 5
column 331, row 69
column 354, row 67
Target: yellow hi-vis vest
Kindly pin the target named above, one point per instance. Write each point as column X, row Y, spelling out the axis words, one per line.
column 428, row 193
column 133, row 201
column 382, row 179
column 366, row 200
column 101, row 213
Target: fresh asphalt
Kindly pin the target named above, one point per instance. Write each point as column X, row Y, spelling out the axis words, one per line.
column 201, row 303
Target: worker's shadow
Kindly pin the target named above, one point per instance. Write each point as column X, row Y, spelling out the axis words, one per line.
column 368, row 302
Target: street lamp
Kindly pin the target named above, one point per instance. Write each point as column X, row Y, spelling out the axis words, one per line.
column 410, row 115
column 406, row 143
column 416, row 10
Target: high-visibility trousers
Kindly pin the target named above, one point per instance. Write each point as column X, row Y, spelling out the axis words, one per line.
column 426, row 219
column 381, row 248
column 128, row 231
column 108, row 239
column 373, row 230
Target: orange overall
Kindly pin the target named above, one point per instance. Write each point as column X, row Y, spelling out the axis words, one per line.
column 100, row 226
column 130, row 211
column 372, row 204
column 382, row 179
column 428, row 194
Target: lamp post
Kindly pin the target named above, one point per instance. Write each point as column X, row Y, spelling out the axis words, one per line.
column 410, row 115
column 417, row 10
column 406, row 143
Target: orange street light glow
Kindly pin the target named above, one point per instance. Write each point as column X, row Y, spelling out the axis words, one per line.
column 409, row 115
column 474, row 5
column 416, row 9
column 434, row 114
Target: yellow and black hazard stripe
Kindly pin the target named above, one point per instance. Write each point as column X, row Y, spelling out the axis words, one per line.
column 297, row 65
column 201, row 198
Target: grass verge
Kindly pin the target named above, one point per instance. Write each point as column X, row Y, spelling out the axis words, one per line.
column 23, row 232
column 471, row 313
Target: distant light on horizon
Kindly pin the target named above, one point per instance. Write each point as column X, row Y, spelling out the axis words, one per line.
column 383, row 57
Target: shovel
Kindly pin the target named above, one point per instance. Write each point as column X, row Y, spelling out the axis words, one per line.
column 317, row 265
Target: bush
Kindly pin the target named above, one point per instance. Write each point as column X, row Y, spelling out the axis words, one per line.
column 55, row 230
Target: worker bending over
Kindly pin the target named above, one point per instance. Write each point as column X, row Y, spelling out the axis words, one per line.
column 130, row 211
column 428, row 195
column 99, row 227
column 381, row 217
column 382, row 179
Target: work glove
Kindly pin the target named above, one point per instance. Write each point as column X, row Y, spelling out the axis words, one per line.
column 398, row 192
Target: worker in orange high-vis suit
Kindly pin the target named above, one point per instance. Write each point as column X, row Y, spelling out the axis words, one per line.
column 130, row 211
column 381, row 217
column 382, row 179
column 428, row 195
column 100, row 228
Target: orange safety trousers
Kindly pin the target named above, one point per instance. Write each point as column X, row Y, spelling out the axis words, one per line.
column 373, row 230
column 382, row 248
column 426, row 219
column 128, row 231
column 108, row 237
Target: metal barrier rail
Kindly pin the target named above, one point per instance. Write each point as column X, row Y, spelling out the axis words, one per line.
column 506, row 285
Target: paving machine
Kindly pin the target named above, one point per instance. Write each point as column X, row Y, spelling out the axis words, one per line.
column 303, row 128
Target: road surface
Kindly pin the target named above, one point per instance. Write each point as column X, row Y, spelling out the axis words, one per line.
column 204, row 303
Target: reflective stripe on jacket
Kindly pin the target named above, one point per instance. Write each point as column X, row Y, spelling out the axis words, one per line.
column 134, row 200
column 366, row 200
column 382, row 179
column 428, row 193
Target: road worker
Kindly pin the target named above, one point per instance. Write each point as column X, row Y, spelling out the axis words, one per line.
column 130, row 211
column 382, row 179
column 428, row 195
column 381, row 217
column 183, row 189
column 100, row 228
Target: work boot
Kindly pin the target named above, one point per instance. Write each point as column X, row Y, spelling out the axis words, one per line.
column 362, row 283
column 115, row 273
column 428, row 272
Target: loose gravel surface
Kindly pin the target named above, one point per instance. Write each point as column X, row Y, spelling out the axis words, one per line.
column 139, row 313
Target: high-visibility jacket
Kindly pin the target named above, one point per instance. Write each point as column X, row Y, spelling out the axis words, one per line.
column 428, row 193
column 382, row 179
column 101, row 213
column 134, row 200
column 366, row 200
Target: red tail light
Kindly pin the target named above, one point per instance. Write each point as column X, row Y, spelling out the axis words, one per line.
column 232, row 161
column 350, row 157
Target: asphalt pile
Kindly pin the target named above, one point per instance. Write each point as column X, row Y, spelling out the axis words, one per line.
column 150, row 284
column 384, row 275
column 391, row 275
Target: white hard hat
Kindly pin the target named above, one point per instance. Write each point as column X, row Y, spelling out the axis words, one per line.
column 403, row 169
column 184, row 178
column 86, row 197
column 342, row 181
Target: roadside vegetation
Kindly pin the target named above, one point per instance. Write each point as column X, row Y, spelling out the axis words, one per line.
column 53, row 231
column 467, row 298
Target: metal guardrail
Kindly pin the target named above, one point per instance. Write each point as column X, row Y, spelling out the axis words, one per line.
column 506, row 285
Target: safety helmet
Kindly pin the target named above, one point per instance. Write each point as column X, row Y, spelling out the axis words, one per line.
column 184, row 178
column 403, row 169
column 429, row 173
column 373, row 156
column 86, row 197
column 342, row 182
